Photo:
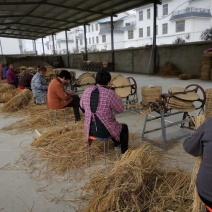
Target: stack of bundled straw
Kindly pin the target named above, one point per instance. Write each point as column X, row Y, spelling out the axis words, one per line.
column 206, row 66
column 150, row 94
column 7, row 92
column 181, row 105
column 135, row 184
column 208, row 103
column 18, row 102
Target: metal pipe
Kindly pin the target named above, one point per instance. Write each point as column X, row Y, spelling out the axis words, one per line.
column 85, row 41
column 1, row 48
column 43, row 47
column 112, row 43
column 53, row 44
column 35, row 49
column 67, row 52
column 154, row 46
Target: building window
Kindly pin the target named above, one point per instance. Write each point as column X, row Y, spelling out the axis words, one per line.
column 59, row 45
column 165, row 29
column 81, row 43
column 148, row 14
column 148, row 31
column 93, row 40
column 96, row 27
column 89, row 28
column 141, row 16
column 92, row 27
column 165, row 9
column 130, row 34
column 141, row 32
column 103, row 38
column 157, row 11
column 89, row 40
column 127, row 24
column 180, row 26
column 156, row 29
column 97, row 39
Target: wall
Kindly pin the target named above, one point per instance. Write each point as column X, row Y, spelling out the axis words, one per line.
column 187, row 57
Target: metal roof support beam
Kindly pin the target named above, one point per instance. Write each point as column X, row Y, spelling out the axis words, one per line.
column 33, row 25
column 67, row 51
column 75, row 8
column 20, row 30
column 53, row 44
column 34, row 47
column 85, row 42
column 112, row 43
column 154, row 45
column 43, row 47
column 5, row 34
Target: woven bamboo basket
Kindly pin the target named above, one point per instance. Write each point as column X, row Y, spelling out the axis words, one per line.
column 84, row 75
column 150, row 94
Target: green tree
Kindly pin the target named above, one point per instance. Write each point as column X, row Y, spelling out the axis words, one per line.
column 179, row 40
column 206, row 34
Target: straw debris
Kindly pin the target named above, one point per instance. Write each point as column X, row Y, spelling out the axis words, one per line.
column 136, row 184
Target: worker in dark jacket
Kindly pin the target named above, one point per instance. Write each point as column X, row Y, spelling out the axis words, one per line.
column 25, row 81
column 200, row 144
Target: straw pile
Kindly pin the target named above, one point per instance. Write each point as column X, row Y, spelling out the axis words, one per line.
column 185, row 76
column 135, row 184
column 206, row 66
column 7, row 92
column 18, row 102
column 169, row 69
column 150, row 94
column 208, row 103
column 38, row 117
column 65, row 148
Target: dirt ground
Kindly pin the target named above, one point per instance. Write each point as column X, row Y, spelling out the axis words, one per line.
column 24, row 184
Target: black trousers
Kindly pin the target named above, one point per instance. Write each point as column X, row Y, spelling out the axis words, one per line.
column 124, row 139
column 75, row 103
column 206, row 202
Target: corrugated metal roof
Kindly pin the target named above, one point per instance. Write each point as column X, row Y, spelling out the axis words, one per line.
column 33, row 19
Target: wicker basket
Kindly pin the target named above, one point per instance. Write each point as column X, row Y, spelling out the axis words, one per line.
column 150, row 94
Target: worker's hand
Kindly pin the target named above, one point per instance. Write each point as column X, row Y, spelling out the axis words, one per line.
column 70, row 92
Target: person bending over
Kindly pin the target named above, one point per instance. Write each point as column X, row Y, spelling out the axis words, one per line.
column 100, row 105
column 25, row 81
column 12, row 77
column 57, row 98
column 39, row 86
column 200, row 144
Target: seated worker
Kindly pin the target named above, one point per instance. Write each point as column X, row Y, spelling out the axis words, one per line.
column 100, row 105
column 6, row 67
column 200, row 144
column 39, row 86
column 12, row 77
column 25, row 81
column 57, row 98
column 1, row 71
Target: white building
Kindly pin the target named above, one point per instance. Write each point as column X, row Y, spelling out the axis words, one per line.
column 175, row 19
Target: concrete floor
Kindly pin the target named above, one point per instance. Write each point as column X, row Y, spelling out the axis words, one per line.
column 20, row 191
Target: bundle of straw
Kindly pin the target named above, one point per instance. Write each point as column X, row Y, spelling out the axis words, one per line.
column 197, row 203
column 7, row 95
column 135, row 184
column 4, row 87
column 18, row 102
